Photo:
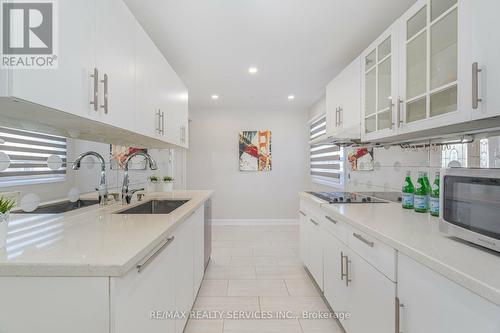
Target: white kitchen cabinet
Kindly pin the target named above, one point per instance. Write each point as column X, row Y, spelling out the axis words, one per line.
column 315, row 251
column 54, row 304
column 199, row 249
column 336, row 291
column 69, row 87
column 433, row 304
column 343, row 96
column 137, row 294
column 115, row 59
column 372, row 297
column 304, row 238
column 379, row 86
column 184, row 272
column 148, row 84
column 432, row 84
column 482, row 33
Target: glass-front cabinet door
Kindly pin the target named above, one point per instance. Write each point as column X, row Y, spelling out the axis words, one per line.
column 429, row 66
column 379, row 87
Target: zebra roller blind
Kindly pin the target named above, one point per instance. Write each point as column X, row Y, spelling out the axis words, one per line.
column 31, row 157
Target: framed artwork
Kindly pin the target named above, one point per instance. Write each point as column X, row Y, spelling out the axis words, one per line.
column 255, row 151
column 120, row 153
column 361, row 159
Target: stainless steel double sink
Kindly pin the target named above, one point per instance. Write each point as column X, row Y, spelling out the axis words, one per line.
column 155, row 207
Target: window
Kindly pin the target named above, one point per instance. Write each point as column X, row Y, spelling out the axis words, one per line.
column 326, row 160
column 31, row 158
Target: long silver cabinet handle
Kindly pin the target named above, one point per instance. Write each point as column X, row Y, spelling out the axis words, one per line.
column 302, row 213
column 342, row 275
column 398, row 110
column 391, row 107
column 397, row 315
column 162, row 123
column 105, row 91
column 364, row 240
column 330, row 219
column 95, row 97
column 341, row 120
column 314, row 222
column 140, row 267
column 158, row 119
column 475, row 85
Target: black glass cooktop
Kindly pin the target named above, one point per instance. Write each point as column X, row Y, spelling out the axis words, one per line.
column 361, row 197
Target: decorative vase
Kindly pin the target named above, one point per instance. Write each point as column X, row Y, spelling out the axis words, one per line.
column 152, row 186
column 4, row 219
column 168, row 186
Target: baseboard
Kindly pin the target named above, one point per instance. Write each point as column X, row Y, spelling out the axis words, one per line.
column 255, row 221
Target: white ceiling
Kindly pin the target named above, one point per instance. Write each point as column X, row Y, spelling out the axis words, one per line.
column 298, row 45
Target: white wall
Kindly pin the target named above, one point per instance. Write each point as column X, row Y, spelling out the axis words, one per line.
column 212, row 162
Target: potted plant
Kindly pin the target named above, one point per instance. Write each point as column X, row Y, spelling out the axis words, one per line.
column 152, row 183
column 168, row 184
column 6, row 205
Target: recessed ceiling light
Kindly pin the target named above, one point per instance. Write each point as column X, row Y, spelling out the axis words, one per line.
column 215, row 96
column 291, row 97
column 253, row 70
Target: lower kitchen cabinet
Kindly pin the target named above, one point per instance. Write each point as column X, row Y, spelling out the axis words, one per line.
column 431, row 303
column 136, row 295
column 335, row 289
column 199, row 250
column 372, row 297
column 311, row 246
column 54, row 304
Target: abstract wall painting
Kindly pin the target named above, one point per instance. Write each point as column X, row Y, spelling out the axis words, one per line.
column 361, row 159
column 120, row 153
column 255, row 151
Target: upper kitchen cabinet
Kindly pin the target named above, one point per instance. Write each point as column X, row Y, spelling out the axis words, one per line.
column 343, row 96
column 70, row 87
column 482, row 66
column 112, row 84
column 432, row 86
column 115, row 60
column 379, row 86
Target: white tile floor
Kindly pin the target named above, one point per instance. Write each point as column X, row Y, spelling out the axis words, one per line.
column 256, row 268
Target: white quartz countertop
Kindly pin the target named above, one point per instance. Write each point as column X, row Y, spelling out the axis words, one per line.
column 90, row 241
column 417, row 236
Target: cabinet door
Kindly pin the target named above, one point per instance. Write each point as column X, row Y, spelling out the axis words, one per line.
column 184, row 272
column 199, row 249
column 332, row 108
column 434, row 304
column 148, row 60
column 379, row 87
column 135, row 295
column 483, row 31
column 115, row 58
column 68, row 88
column 430, row 72
column 372, row 298
column 316, row 252
column 174, row 102
column 304, row 238
column 335, row 288
column 350, row 106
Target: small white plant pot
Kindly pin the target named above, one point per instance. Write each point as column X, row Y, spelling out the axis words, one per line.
column 152, row 187
column 168, row 186
column 4, row 219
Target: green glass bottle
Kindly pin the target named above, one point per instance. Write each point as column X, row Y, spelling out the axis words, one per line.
column 434, row 197
column 428, row 185
column 421, row 194
column 408, row 192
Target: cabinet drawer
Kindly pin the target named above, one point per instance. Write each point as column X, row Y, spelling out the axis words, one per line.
column 334, row 226
column 378, row 254
column 309, row 208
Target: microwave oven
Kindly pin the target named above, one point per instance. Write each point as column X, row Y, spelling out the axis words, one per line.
column 470, row 205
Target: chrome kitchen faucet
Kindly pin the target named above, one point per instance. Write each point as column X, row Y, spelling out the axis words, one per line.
column 126, row 194
column 103, row 187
